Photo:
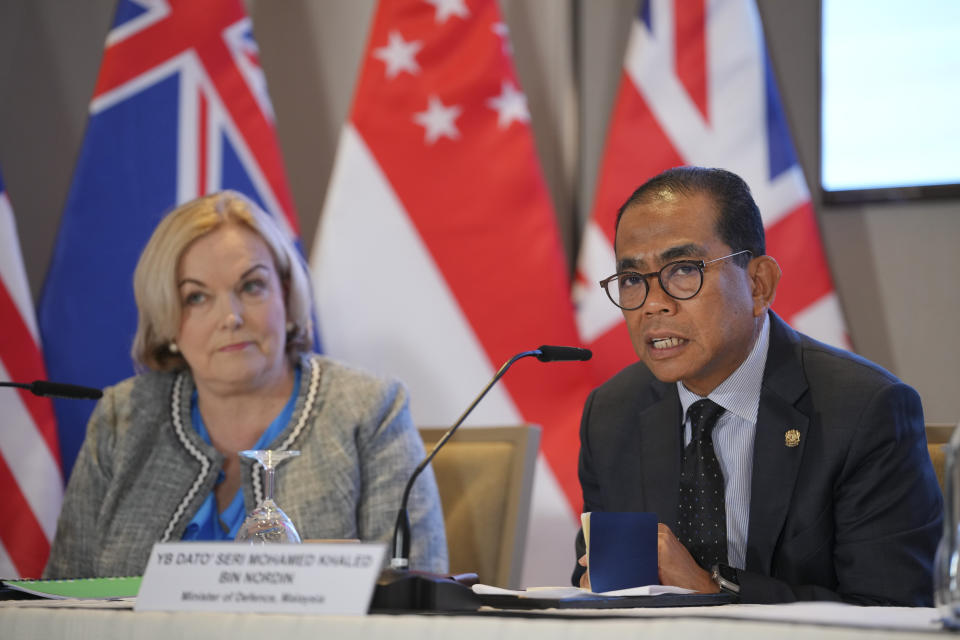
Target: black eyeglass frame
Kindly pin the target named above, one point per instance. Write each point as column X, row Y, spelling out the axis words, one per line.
column 699, row 264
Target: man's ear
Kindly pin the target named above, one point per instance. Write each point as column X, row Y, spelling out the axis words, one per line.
column 764, row 275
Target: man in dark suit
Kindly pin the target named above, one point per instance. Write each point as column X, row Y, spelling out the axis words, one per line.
column 818, row 460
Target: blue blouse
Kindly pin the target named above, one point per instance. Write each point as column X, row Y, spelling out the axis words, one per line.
column 207, row 524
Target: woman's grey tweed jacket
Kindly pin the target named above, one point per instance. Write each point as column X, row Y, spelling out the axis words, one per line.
column 143, row 471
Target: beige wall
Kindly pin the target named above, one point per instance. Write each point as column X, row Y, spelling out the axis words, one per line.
column 896, row 264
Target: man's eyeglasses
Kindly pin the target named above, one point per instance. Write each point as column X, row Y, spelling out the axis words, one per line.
column 681, row 280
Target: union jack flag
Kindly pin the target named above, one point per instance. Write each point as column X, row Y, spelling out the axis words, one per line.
column 698, row 88
column 180, row 109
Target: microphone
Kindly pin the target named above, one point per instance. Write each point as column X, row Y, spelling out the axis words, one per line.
column 400, row 597
column 46, row 389
column 550, row 353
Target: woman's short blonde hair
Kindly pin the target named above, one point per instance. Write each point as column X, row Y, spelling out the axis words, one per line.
column 155, row 278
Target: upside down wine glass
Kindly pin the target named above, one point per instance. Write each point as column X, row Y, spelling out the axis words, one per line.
column 267, row 523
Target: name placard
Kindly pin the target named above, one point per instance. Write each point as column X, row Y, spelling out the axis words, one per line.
column 274, row 578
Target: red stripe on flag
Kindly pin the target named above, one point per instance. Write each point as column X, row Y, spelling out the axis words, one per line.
column 690, row 43
column 612, row 351
column 202, row 133
column 189, row 26
column 637, row 149
column 562, row 403
column 24, row 363
column 20, row 531
column 257, row 130
column 794, row 241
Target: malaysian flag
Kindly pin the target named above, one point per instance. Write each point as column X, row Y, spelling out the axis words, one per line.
column 438, row 255
column 31, row 486
column 180, row 109
column 698, row 88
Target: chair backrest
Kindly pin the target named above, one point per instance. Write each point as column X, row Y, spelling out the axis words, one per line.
column 937, row 437
column 485, row 478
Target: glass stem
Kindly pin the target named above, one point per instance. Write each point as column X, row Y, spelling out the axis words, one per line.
column 268, row 485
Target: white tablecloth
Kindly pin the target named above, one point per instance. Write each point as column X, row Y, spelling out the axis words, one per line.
column 737, row 622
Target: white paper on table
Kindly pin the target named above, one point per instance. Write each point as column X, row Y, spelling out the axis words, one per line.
column 554, row 593
column 68, row 603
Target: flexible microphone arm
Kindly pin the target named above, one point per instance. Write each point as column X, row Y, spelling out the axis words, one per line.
column 46, row 389
column 401, row 530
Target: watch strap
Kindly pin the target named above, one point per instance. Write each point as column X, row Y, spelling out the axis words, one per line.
column 725, row 577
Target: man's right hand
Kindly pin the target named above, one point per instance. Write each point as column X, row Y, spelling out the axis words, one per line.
column 585, row 578
column 677, row 567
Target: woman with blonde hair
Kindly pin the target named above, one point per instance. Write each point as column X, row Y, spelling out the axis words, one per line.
column 223, row 345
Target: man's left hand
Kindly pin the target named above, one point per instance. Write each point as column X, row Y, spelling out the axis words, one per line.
column 677, row 567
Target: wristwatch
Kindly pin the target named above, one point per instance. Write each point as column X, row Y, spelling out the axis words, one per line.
column 726, row 578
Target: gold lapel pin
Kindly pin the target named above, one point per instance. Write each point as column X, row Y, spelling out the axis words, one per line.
column 791, row 438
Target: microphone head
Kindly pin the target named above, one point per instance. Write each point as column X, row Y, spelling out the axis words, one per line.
column 550, row 353
column 60, row 390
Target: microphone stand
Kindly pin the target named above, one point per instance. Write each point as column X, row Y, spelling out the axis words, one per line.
column 401, row 531
column 46, row 389
column 399, row 588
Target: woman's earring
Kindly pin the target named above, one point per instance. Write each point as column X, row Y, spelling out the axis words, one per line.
column 173, row 347
column 291, row 325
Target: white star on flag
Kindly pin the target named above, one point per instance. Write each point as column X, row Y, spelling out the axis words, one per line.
column 510, row 105
column 447, row 8
column 503, row 32
column 399, row 55
column 438, row 120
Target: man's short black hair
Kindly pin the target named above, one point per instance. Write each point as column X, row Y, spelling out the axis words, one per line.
column 738, row 218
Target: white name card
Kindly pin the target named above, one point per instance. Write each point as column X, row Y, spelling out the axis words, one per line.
column 272, row 578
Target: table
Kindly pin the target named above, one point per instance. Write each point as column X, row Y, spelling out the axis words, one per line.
column 736, row 622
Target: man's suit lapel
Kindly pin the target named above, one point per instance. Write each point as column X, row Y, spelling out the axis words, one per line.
column 775, row 463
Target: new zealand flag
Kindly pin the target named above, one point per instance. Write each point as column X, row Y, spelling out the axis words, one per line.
column 180, row 109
